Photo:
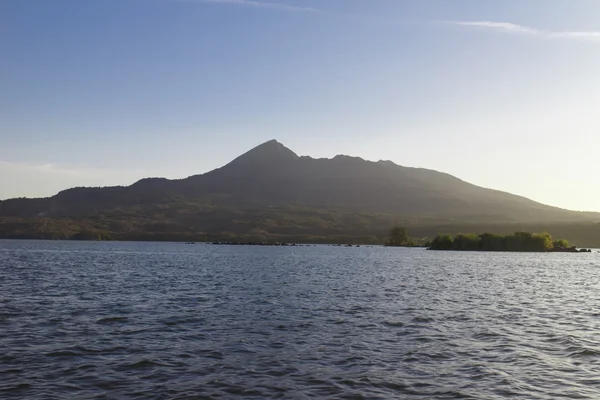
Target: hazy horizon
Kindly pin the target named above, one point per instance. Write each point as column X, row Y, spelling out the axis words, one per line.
column 105, row 93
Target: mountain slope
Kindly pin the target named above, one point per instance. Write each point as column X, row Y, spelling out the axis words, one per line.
column 271, row 175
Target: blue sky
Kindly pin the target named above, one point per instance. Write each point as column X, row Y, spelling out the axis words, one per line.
column 503, row 94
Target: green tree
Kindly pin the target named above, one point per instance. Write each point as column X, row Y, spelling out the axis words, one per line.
column 442, row 242
column 561, row 244
column 466, row 242
column 492, row 242
column 541, row 242
column 398, row 237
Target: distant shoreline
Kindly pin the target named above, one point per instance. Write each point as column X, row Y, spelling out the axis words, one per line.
column 582, row 250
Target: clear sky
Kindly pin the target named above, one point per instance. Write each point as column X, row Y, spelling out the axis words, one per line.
column 503, row 94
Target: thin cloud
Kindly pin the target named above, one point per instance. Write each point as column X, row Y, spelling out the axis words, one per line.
column 508, row 27
column 86, row 172
column 499, row 26
column 50, row 168
column 262, row 4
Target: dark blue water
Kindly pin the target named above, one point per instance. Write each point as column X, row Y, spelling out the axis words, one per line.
column 172, row 321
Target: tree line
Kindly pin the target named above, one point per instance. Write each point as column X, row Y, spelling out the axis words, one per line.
column 519, row 241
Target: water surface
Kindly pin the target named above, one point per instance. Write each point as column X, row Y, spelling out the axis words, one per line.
column 93, row 320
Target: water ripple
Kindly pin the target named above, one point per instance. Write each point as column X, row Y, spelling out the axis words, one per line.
column 168, row 321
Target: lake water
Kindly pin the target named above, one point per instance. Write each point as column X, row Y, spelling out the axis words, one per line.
column 87, row 320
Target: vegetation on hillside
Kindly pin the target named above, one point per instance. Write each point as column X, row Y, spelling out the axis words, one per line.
column 292, row 223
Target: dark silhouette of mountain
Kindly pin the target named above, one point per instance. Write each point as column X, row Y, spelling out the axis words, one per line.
column 272, row 188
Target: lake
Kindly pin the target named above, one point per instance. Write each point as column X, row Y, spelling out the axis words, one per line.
column 101, row 320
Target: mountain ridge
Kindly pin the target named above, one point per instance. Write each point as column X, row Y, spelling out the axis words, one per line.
column 271, row 175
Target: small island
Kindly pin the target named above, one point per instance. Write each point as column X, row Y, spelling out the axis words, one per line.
column 517, row 242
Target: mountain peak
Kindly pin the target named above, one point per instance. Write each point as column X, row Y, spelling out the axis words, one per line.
column 271, row 151
column 274, row 146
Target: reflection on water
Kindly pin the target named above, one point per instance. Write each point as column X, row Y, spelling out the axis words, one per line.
column 148, row 320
